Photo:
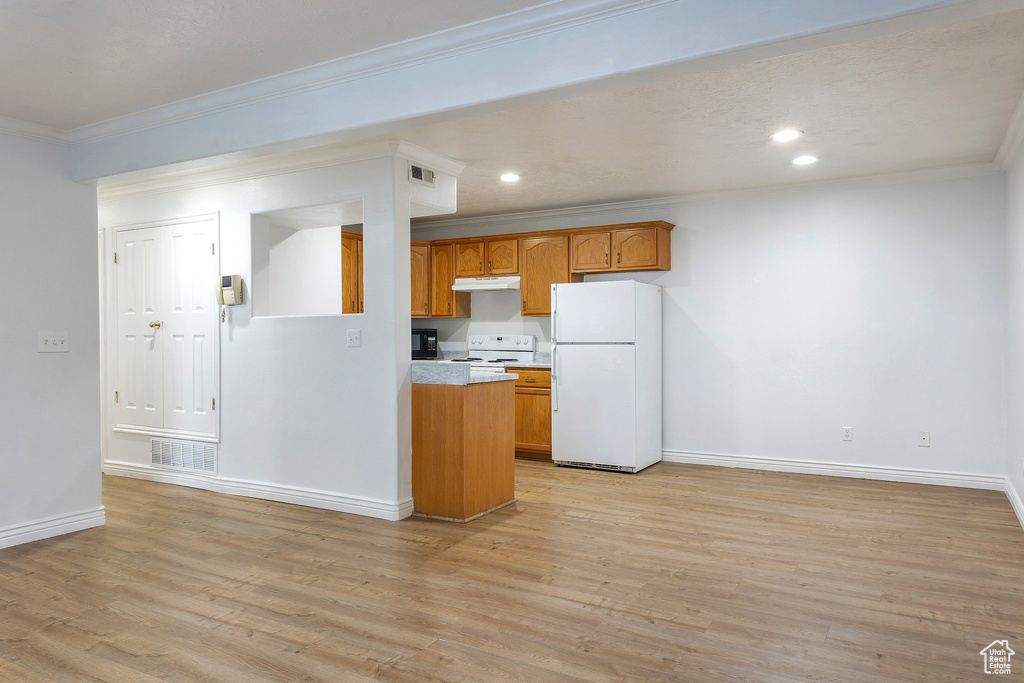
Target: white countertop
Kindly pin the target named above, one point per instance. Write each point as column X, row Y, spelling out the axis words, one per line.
column 481, row 377
column 458, row 374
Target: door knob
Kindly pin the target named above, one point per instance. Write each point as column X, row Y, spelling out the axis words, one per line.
column 155, row 324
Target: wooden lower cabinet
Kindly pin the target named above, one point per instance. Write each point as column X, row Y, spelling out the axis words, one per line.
column 533, row 414
column 463, row 459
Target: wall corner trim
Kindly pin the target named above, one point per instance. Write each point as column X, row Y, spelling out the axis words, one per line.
column 58, row 525
column 1016, row 502
column 281, row 493
column 1013, row 139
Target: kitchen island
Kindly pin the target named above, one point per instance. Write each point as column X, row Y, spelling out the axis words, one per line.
column 463, row 441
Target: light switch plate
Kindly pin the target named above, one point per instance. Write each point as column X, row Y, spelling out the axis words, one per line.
column 355, row 338
column 53, row 342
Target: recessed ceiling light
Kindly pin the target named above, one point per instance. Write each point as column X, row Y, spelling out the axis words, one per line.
column 786, row 135
column 805, row 160
column 510, row 177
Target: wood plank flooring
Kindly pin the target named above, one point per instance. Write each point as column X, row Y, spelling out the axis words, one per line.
column 682, row 573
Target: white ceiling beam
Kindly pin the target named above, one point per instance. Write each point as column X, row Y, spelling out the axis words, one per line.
column 557, row 49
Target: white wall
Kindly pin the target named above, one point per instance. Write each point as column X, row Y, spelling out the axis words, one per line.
column 493, row 312
column 303, row 417
column 788, row 317
column 305, row 273
column 1015, row 364
column 49, row 408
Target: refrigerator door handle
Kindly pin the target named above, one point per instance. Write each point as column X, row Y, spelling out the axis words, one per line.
column 554, row 378
column 554, row 314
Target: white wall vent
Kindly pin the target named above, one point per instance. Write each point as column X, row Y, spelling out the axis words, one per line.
column 424, row 176
column 184, row 455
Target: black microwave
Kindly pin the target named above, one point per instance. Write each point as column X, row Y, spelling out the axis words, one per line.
column 424, row 344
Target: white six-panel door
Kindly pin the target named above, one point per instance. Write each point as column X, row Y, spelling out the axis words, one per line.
column 139, row 347
column 167, row 328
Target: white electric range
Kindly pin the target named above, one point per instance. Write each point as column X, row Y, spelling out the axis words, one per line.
column 491, row 352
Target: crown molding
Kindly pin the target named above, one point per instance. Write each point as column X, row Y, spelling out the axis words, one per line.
column 277, row 165
column 549, row 17
column 948, row 172
column 33, row 131
column 1014, row 137
column 245, row 170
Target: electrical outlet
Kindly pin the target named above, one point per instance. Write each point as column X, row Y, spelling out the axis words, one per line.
column 355, row 338
column 847, row 433
column 53, row 342
column 924, row 439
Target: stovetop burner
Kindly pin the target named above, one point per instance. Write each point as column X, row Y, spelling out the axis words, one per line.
column 503, row 360
column 465, row 360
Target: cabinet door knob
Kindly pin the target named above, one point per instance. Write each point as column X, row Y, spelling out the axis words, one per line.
column 619, row 258
column 156, row 324
column 531, row 379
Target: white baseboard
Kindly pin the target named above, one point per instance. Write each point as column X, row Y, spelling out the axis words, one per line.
column 327, row 500
column 1018, row 505
column 913, row 476
column 38, row 529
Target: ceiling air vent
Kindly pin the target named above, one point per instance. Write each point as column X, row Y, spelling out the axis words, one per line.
column 184, row 455
column 423, row 176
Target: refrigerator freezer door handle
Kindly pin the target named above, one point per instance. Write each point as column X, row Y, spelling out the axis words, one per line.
column 554, row 314
column 554, row 378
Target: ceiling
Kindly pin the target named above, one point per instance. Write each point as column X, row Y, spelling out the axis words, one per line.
column 69, row 63
column 926, row 99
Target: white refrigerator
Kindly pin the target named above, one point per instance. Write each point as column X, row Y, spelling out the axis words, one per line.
column 606, row 375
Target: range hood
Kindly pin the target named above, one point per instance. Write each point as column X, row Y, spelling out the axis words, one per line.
column 483, row 284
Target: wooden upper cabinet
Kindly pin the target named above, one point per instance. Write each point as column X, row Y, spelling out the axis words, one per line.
column 419, row 258
column 636, row 249
column 444, row 303
column 503, row 257
column 590, row 251
column 442, row 271
column 543, row 261
column 351, row 272
column 469, row 259
column 359, row 272
column 622, row 247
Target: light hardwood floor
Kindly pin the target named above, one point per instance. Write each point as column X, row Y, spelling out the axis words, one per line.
column 678, row 573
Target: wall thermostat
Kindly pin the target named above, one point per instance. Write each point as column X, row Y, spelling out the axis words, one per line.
column 230, row 291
